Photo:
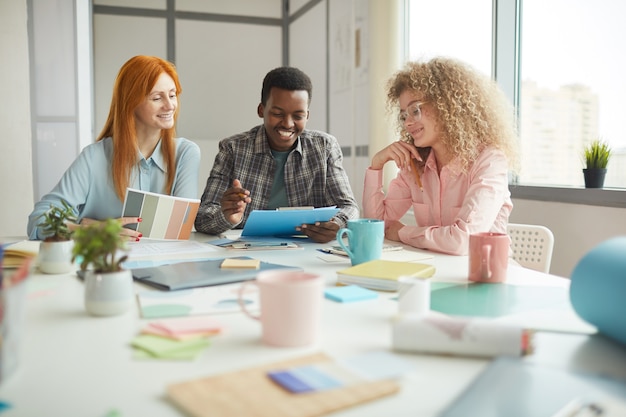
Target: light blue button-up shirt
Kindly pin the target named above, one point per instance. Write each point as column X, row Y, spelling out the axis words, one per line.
column 87, row 185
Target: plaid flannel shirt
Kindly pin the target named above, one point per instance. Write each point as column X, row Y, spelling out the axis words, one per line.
column 314, row 176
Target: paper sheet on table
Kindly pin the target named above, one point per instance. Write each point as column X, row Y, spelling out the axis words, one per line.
column 217, row 299
column 560, row 320
column 160, row 252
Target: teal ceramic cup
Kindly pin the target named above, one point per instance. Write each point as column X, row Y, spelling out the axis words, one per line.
column 365, row 239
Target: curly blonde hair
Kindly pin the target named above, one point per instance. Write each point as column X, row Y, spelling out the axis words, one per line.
column 471, row 111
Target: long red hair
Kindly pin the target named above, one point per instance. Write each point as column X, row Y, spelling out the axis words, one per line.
column 134, row 82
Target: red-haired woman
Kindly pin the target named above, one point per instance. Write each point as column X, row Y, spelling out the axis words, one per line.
column 137, row 148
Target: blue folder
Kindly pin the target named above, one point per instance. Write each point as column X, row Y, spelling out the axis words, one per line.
column 284, row 222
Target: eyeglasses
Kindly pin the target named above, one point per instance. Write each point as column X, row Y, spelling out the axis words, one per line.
column 413, row 112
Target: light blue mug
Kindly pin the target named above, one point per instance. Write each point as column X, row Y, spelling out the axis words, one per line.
column 365, row 239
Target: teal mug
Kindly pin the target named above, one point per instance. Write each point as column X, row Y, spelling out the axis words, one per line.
column 365, row 239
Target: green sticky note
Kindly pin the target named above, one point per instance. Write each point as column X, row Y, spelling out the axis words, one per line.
column 186, row 354
column 165, row 310
column 163, row 347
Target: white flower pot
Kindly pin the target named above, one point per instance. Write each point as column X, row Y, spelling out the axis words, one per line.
column 108, row 294
column 55, row 257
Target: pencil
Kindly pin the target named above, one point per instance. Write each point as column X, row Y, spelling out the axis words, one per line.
column 418, row 180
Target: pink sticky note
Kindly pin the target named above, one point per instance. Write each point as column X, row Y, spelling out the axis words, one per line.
column 188, row 325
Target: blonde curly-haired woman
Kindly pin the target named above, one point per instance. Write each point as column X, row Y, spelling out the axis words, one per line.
column 458, row 144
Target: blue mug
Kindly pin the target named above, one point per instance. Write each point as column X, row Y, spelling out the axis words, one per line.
column 365, row 239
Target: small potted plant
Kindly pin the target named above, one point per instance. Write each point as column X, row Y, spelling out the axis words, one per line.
column 55, row 250
column 99, row 249
column 596, row 157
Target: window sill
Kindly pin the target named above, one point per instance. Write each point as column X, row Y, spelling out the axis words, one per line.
column 606, row 197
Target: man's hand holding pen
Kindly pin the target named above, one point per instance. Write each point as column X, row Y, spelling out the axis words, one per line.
column 234, row 202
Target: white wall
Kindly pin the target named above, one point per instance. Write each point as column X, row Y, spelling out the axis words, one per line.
column 577, row 228
column 16, row 179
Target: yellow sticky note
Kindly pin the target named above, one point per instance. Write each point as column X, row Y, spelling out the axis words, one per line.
column 241, row 263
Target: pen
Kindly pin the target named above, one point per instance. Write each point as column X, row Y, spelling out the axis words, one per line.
column 247, row 245
column 265, row 244
column 333, row 251
column 418, row 180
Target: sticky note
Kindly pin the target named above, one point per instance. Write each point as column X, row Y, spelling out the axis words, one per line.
column 163, row 347
column 376, row 365
column 188, row 325
column 241, row 263
column 304, row 379
column 289, row 381
column 349, row 293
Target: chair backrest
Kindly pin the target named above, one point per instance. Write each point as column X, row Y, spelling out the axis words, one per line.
column 531, row 245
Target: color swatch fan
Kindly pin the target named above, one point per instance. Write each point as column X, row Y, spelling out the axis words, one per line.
column 162, row 216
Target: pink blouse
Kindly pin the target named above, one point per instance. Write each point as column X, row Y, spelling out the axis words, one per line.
column 451, row 207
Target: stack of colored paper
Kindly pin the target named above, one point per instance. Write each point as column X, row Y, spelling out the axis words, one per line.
column 179, row 339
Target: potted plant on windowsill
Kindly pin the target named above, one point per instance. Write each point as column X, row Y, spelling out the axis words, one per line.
column 55, row 250
column 99, row 248
column 596, row 157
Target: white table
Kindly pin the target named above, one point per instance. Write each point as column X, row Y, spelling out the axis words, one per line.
column 73, row 364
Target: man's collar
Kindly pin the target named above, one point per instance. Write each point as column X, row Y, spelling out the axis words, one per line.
column 261, row 143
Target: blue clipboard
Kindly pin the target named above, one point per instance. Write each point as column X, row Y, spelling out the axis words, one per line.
column 283, row 222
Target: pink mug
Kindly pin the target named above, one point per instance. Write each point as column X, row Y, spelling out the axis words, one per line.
column 488, row 257
column 291, row 304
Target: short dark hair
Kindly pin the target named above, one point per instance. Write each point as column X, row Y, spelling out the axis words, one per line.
column 287, row 78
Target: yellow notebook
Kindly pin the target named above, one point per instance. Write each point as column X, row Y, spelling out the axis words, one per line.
column 383, row 275
column 16, row 253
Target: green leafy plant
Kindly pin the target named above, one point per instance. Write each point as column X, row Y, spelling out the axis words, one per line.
column 98, row 245
column 54, row 226
column 597, row 154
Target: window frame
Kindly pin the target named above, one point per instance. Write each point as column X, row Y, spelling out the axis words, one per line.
column 506, row 69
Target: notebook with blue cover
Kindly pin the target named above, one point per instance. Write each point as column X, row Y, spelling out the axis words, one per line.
column 283, row 222
column 183, row 275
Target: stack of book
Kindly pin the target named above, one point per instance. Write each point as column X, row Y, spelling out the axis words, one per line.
column 16, row 253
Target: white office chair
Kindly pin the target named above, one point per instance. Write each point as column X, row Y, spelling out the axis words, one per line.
column 531, row 245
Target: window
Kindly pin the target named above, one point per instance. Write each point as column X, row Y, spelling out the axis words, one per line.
column 571, row 82
column 442, row 27
column 572, row 88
